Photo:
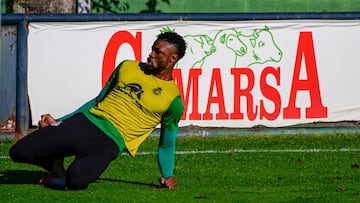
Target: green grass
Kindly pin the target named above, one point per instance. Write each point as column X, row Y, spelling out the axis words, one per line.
column 248, row 176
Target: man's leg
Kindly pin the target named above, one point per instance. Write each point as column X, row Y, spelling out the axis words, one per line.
column 38, row 148
column 77, row 136
column 92, row 162
column 48, row 146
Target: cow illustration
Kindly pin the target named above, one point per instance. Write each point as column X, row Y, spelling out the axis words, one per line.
column 261, row 48
column 228, row 47
column 198, row 47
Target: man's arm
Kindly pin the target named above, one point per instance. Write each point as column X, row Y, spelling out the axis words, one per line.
column 167, row 142
column 166, row 152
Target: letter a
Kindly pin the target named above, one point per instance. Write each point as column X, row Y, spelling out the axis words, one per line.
column 311, row 84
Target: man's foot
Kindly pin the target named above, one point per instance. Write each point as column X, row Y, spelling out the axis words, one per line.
column 52, row 182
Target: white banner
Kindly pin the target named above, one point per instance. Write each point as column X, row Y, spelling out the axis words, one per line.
column 234, row 74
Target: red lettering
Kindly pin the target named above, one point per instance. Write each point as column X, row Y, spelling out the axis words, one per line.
column 311, row 84
column 243, row 84
column 238, row 92
column 218, row 99
column 112, row 48
column 193, row 81
column 270, row 93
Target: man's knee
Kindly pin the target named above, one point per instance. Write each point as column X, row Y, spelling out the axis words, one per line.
column 16, row 154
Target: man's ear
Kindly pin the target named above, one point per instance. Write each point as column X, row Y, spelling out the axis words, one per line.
column 174, row 58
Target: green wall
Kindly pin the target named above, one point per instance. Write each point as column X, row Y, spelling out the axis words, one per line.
column 220, row 6
column 236, row 6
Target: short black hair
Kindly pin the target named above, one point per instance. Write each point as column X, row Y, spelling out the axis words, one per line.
column 175, row 39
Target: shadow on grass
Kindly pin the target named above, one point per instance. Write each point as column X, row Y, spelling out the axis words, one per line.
column 131, row 182
column 20, row 176
column 32, row 177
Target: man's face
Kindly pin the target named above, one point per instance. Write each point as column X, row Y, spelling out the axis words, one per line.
column 162, row 55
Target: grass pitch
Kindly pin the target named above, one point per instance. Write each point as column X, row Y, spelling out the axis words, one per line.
column 291, row 168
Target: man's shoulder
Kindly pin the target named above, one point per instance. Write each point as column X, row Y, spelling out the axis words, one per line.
column 130, row 62
column 127, row 64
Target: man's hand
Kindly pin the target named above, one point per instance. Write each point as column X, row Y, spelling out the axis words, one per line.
column 46, row 119
column 169, row 182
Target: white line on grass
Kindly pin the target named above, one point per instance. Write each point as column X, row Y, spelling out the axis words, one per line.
column 247, row 151
column 258, row 151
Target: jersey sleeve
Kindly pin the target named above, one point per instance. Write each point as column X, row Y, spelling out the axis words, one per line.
column 168, row 133
column 104, row 91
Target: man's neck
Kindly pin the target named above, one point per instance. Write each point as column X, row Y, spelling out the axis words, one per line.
column 166, row 74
